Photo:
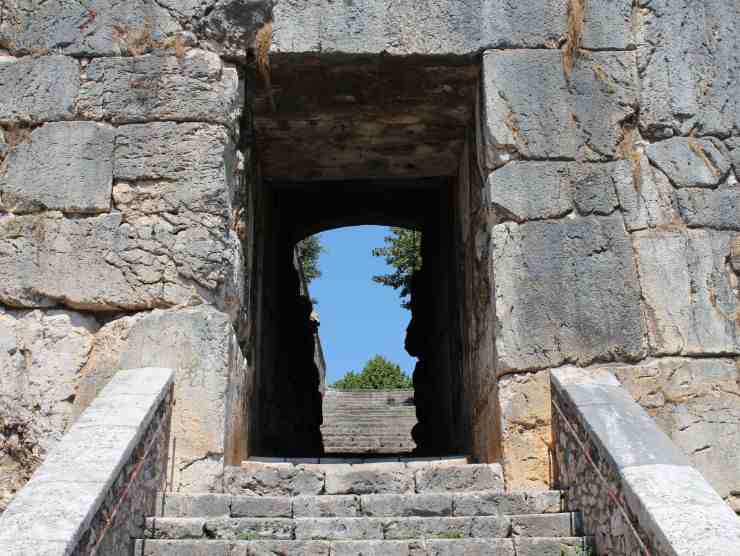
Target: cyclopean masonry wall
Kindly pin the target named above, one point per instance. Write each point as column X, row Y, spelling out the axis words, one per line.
column 598, row 206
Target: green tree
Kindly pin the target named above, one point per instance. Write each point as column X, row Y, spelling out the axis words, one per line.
column 379, row 374
column 309, row 252
column 402, row 251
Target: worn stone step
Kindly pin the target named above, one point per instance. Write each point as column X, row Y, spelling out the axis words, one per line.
column 287, row 479
column 363, row 528
column 436, row 547
column 483, row 503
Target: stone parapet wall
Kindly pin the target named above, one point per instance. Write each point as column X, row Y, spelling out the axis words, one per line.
column 92, row 492
column 637, row 491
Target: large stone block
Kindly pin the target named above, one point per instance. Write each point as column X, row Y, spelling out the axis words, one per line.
column 211, row 382
column 95, row 28
column 711, row 208
column 697, row 403
column 689, row 78
column 566, row 291
column 66, row 166
column 690, row 162
column 538, row 190
column 648, row 200
column 41, row 356
column 154, row 263
column 36, row 90
column 533, row 111
column 195, row 87
column 689, row 291
column 442, row 27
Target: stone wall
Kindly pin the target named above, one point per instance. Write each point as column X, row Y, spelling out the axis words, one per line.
column 613, row 184
column 123, row 161
column 95, row 488
column 637, row 491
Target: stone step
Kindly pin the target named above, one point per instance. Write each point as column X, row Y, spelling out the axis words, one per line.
column 410, row 461
column 288, row 479
column 466, row 504
column 518, row 546
column 363, row 528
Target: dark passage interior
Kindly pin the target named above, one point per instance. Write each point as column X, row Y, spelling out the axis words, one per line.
column 357, row 141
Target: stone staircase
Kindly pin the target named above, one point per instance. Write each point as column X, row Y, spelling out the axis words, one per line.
column 409, row 507
column 368, row 421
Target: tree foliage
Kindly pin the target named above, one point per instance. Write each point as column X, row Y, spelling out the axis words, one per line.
column 309, row 252
column 402, row 251
column 379, row 374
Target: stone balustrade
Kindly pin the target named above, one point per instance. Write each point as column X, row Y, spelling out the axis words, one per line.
column 92, row 492
column 637, row 491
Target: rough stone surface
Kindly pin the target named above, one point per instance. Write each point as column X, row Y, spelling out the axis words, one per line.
column 211, row 380
column 273, row 480
column 566, row 291
column 532, row 111
column 97, row 28
column 525, row 191
column 691, row 162
column 688, row 78
column 460, row 478
column 370, row 478
column 41, row 356
column 162, row 87
column 690, row 295
column 36, row 90
column 711, row 208
column 66, row 166
column 648, row 199
column 170, row 243
column 695, row 402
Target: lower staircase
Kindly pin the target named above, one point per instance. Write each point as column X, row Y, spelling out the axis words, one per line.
column 356, row 507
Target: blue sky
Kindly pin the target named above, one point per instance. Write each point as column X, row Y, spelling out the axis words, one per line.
column 359, row 318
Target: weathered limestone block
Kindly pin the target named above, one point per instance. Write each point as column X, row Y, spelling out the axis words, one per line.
column 152, row 264
column 697, row 403
column 537, row 190
column 532, row 110
column 228, row 27
column 38, row 89
column 733, row 143
column 211, row 382
column 92, row 28
column 566, row 291
column 282, row 479
column 648, row 199
column 525, row 430
column 689, row 77
column 690, row 293
column 442, row 27
column 712, row 208
column 160, row 86
column 66, row 166
column 41, row 355
column 690, row 162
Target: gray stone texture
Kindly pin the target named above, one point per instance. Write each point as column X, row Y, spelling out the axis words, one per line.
column 647, row 199
column 95, row 28
column 696, row 403
column 689, row 79
column 690, row 162
column 532, row 110
column 369, row 479
column 70, row 499
column 689, row 293
column 273, row 480
column 566, row 291
column 41, row 357
column 523, row 191
column 463, row 478
column 171, row 241
column 160, row 86
column 627, row 484
column 34, row 90
column 65, row 166
column 441, row 27
column 211, row 381
column 711, row 208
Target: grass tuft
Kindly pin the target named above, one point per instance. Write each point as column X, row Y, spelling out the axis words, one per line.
column 263, row 43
